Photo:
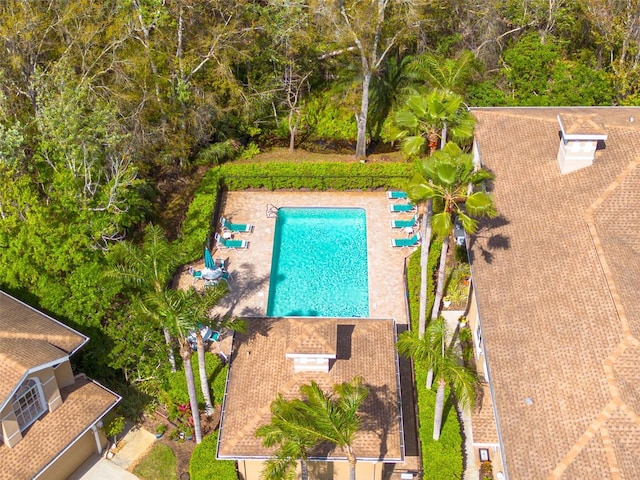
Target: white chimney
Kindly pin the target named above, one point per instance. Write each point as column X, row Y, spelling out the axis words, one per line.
column 580, row 135
column 312, row 344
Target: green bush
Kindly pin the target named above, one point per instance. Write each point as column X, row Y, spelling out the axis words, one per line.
column 204, row 466
column 441, row 459
column 174, row 390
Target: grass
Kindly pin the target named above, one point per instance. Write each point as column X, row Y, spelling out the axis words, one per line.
column 441, row 459
column 158, row 464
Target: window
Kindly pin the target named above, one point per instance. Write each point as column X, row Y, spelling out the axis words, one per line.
column 27, row 403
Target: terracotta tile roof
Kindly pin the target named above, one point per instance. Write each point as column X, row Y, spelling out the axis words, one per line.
column 83, row 404
column 556, row 277
column 29, row 338
column 259, row 371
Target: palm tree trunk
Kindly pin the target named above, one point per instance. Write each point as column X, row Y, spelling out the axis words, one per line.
column 204, row 381
column 439, row 292
column 424, row 261
column 167, row 339
column 352, row 463
column 304, row 469
column 441, row 278
column 185, row 353
column 439, row 408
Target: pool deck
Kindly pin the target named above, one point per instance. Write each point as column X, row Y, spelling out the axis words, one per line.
column 250, row 268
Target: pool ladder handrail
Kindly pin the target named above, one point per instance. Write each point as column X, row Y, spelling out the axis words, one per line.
column 272, row 211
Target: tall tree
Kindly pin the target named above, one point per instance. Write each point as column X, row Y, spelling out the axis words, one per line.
column 150, row 266
column 373, row 30
column 449, row 176
column 435, row 351
column 418, row 125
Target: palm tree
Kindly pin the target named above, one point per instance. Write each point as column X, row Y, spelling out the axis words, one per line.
column 432, row 350
column 289, row 428
column 149, row 266
column 449, row 176
column 317, row 417
column 421, row 119
column 448, row 74
column 336, row 418
column 175, row 307
column 431, row 119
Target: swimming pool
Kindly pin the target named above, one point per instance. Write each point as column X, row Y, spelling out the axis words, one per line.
column 319, row 266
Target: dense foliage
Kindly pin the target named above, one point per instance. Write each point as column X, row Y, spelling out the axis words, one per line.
column 204, row 466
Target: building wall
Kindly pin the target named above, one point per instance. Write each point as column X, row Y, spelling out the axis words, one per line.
column 11, row 434
column 49, row 384
column 69, row 461
column 64, row 374
column 252, row 469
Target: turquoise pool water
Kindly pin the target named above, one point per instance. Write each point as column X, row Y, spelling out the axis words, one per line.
column 319, row 266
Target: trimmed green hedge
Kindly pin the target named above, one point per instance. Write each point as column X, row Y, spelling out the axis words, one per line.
column 197, row 226
column 441, row 459
column 204, row 465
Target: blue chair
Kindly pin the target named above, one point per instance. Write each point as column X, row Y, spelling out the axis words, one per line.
column 402, row 223
column 402, row 207
column 235, row 227
column 197, row 274
column 396, row 195
column 227, row 244
column 406, row 242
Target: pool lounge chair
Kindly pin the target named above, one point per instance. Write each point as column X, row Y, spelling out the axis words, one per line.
column 227, row 244
column 396, row 195
column 406, row 242
column 402, row 223
column 235, row 227
column 401, row 207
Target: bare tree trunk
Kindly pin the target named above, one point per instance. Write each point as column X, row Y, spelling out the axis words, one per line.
column 204, row 381
column 185, row 353
column 352, row 463
column 441, row 278
column 424, row 261
column 439, row 408
column 361, row 145
column 167, row 339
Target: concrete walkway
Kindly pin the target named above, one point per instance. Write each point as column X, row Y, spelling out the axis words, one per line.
column 138, row 442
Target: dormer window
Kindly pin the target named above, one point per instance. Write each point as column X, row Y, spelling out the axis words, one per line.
column 27, row 403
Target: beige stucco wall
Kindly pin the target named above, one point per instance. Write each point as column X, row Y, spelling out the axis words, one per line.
column 252, row 469
column 50, row 390
column 10, row 429
column 64, row 374
column 69, row 461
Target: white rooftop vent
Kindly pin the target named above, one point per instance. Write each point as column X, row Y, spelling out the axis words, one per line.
column 580, row 135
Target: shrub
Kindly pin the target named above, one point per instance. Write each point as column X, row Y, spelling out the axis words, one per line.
column 204, row 465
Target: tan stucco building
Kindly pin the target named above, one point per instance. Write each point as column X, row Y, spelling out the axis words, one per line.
column 49, row 418
column 278, row 355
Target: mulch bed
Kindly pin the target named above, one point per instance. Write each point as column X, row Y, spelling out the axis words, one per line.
column 182, row 449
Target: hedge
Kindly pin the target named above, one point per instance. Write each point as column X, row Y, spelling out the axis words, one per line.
column 441, row 459
column 197, row 226
column 204, row 465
